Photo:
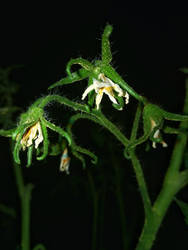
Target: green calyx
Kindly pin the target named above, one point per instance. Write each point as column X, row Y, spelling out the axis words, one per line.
column 31, row 116
column 153, row 123
column 32, row 132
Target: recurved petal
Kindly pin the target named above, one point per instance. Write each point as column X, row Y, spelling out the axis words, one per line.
column 98, row 99
column 90, row 88
column 118, row 89
column 39, row 138
column 112, row 98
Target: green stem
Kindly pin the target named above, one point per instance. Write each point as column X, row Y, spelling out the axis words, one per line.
column 24, row 192
column 76, row 117
column 136, row 122
column 102, row 199
column 141, row 182
column 95, row 211
column 154, row 220
column 65, row 101
column 120, row 200
column 7, row 133
column 137, row 166
column 19, row 179
column 25, row 207
column 173, row 182
column 111, row 127
column 84, row 108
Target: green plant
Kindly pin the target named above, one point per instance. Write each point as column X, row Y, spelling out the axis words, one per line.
column 32, row 132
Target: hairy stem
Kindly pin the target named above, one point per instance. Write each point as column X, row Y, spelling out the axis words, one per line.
column 173, row 182
column 84, row 108
column 24, row 192
column 111, row 127
column 25, row 208
column 141, row 183
column 95, row 211
column 6, row 133
column 137, row 166
column 120, row 200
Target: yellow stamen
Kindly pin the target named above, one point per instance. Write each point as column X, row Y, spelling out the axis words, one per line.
column 109, row 90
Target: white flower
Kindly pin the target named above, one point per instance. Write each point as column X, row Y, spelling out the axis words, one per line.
column 32, row 133
column 157, row 135
column 105, row 85
column 65, row 161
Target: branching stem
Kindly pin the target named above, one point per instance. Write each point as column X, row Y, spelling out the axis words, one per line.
column 173, row 182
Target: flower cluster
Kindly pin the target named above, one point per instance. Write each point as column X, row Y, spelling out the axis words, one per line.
column 31, row 132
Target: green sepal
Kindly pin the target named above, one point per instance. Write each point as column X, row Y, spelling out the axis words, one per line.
column 120, row 104
column 92, row 94
column 106, row 51
column 82, row 62
column 110, row 72
column 79, row 157
column 29, row 155
column 75, row 76
column 86, row 152
column 45, row 141
column 58, row 130
column 17, row 147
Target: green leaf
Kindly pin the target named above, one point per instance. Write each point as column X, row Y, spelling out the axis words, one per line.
column 184, row 209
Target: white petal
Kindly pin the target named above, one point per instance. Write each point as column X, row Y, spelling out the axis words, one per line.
column 164, row 144
column 126, row 98
column 65, row 161
column 98, row 99
column 109, row 83
column 102, row 77
column 110, row 96
column 90, row 88
column 99, row 85
column 156, row 134
column 105, row 79
column 32, row 135
column 39, row 138
column 117, row 88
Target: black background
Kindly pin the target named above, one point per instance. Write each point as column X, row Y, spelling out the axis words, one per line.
column 148, row 52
